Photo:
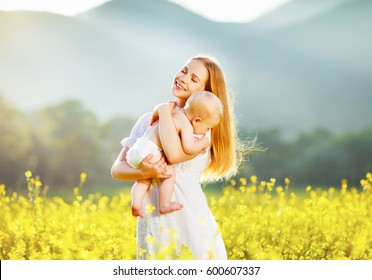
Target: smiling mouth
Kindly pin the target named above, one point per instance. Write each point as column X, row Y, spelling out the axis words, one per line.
column 178, row 86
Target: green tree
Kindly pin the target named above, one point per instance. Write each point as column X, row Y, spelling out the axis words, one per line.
column 69, row 135
column 111, row 133
column 272, row 162
column 358, row 149
column 15, row 143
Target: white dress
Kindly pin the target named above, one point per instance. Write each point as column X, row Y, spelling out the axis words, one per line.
column 191, row 232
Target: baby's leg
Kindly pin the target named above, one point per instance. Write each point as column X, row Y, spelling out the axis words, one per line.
column 165, row 194
column 139, row 190
column 156, row 156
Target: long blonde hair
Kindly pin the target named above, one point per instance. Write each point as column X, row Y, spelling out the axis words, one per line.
column 226, row 149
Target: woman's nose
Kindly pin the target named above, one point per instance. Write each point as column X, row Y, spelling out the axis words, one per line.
column 183, row 78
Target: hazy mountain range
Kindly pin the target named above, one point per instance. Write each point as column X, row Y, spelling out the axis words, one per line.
column 303, row 65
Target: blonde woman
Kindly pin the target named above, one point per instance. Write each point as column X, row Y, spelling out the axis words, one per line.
column 191, row 232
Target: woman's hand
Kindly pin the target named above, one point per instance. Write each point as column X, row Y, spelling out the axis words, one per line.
column 154, row 170
column 122, row 171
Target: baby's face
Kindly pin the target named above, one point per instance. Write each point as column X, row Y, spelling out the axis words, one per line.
column 202, row 126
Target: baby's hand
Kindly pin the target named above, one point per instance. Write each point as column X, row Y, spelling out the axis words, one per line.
column 162, row 106
column 205, row 141
column 155, row 117
column 172, row 105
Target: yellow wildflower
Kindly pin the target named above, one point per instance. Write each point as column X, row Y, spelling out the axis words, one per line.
column 38, row 184
column 254, row 179
column 150, row 239
column 150, row 208
column 287, row 181
column 83, row 177
column 279, row 189
column 28, row 174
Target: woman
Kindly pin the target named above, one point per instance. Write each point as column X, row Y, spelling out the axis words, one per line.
column 191, row 232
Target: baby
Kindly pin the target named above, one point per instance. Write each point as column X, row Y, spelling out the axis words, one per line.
column 203, row 110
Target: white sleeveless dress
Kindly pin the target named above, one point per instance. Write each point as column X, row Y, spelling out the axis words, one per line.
column 189, row 233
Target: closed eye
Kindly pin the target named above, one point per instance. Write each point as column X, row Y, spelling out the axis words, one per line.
column 195, row 78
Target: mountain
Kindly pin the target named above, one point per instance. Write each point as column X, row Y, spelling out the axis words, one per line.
column 314, row 72
column 303, row 65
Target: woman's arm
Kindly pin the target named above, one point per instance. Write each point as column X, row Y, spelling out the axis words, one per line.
column 169, row 137
column 122, row 171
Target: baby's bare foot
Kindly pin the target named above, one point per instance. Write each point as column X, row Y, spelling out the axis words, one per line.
column 170, row 207
column 137, row 210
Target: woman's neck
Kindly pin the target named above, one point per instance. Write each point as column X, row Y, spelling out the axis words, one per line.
column 180, row 102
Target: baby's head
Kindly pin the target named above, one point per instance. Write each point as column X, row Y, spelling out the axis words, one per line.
column 204, row 110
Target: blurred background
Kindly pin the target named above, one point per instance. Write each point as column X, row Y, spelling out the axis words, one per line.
column 73, row 83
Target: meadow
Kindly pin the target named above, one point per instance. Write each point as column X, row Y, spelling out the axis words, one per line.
column 258, row 220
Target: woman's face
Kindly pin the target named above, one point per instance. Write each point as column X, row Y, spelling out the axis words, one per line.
column 191, row 78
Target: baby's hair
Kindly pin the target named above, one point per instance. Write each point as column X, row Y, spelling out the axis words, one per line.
column 204, row 104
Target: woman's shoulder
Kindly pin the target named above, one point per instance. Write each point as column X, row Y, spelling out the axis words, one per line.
column 145, row 118
column 143, row 123
column 138, row 130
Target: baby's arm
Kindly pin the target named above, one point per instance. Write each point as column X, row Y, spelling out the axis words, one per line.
column 189, row 144
column 170, row 138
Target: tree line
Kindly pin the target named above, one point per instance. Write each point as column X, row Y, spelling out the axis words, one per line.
column 60, row 142
column 316, row 157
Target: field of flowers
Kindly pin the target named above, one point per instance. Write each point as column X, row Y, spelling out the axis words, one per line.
column 258, row 220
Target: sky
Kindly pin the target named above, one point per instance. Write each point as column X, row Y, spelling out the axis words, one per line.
column 222, row 10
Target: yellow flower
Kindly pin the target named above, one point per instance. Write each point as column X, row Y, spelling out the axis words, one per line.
column 259, row 225
column 2, row 190
column 369, row 176
column 38, row 184
column 83, row 177
column 28, row 174
column 254, row 179
column 332, row 190
column 279, row 189
column 142, row 252
column 243, row 181
column 150, row 208
column 150, row 239
column 76, row 191
column 344, row 184
column 287, row 181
